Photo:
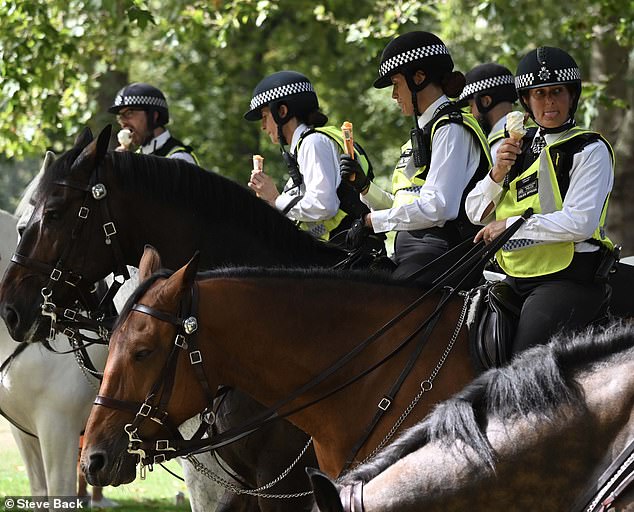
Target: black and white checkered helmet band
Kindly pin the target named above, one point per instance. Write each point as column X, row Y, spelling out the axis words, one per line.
column 412, row 55
column 266, row 97
column 545, row 76
column 138, row 101
column 486, row 84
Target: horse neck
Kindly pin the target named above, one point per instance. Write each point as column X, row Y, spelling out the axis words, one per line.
column 177, row 231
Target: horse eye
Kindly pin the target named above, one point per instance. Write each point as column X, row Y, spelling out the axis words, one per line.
column 142, row 354
column 52, row 215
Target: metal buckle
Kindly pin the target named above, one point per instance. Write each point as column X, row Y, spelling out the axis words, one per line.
column 159, row 458
column 179, row 341
column 145, row 410
column 163, row 445
column 109, row 229
column 385, row 403
column 68, row 332
column 56, row 274
column 83, row 213
column 195, row 357
column 70, row 314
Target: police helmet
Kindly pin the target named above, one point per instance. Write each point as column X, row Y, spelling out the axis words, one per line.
column 546, row 66
column 491, row 80
column 284, row 87
column 410, row 52
column 142, row 96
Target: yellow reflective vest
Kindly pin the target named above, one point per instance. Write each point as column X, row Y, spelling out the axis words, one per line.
column 538, row 187
column 322, row 229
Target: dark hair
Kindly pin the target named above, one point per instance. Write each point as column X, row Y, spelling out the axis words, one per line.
column 453, row 83
column 313, row 118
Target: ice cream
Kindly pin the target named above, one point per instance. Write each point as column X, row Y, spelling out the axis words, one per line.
column 515, row 125
column 348, row 140
column 258, row 163
column 125, row 138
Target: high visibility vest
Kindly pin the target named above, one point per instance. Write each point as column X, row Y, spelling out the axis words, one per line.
column 172, row 146
column 407, row 181
column 542, row 187
column 495, row 136
column 322, row 229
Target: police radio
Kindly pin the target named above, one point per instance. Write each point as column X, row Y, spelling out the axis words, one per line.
column 419, row 148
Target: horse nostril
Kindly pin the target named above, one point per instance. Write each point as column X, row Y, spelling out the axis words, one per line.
column 96, row 462
column 11, row 317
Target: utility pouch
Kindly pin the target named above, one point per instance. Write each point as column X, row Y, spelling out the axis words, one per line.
column 607, row 263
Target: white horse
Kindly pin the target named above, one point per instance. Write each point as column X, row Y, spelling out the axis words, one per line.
column 49, row 396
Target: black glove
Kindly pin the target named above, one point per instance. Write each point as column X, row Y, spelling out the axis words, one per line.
column 352, row 173
column 357, row 234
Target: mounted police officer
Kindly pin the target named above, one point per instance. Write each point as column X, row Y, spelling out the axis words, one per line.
column 142, row 109
column 287, row 106
column 446, row 154
column 557, row 262
column 490, row 91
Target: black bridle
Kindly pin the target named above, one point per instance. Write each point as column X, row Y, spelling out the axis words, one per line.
column 69, row 321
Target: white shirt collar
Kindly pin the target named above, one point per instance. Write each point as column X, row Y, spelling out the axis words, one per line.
column 431, row 110
column 156, row 143
column 301, row 128
column 498, row 126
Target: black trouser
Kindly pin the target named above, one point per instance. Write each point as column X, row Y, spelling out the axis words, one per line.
column 567, row 300
column 415, row 250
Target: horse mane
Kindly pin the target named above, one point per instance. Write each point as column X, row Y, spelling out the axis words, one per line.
column 360, row 276
column 178, row 182
column 540, row 381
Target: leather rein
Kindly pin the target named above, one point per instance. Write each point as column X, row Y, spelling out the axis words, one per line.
column 69, row 321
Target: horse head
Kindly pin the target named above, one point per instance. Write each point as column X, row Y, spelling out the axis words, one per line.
column 143, row 371
column 50, row 258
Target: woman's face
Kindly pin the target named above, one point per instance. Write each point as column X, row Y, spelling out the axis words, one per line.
column 550, row 105
column 268, row 125
column 402, row 95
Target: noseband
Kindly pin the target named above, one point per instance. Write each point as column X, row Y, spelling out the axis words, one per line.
column 68, row 321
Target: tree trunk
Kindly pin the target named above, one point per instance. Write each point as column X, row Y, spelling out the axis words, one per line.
column 611, row 67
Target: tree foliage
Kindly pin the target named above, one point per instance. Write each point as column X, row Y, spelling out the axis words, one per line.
column 63, row 61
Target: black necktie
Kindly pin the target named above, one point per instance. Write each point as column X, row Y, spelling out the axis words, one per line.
column 538, row 144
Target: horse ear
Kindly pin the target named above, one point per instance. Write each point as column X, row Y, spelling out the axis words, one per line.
column 150, row 262
column 191, row 269
column 83, row 139
column 183, row 279
column 49, row 158
column 325, row 491
column 95, row 152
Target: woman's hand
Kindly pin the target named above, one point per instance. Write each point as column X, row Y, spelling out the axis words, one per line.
column 263, row 186
column 491, row 231
column 505, row 158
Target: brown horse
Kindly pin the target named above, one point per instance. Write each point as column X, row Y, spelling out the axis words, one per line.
column 179, row 208
column 534, row 436
column 253, row 335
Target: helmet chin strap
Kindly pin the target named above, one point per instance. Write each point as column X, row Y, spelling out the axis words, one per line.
column 559, row 129
column 416, row 134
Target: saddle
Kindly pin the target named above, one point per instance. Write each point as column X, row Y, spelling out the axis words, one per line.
column 493, row 317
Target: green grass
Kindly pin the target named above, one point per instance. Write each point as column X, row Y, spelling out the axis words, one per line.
column 156, row 492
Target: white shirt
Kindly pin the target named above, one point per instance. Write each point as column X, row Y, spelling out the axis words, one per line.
column 318, row 161
column 591, row 180
column 455, row 157
column 498, row 126
column 159, row 141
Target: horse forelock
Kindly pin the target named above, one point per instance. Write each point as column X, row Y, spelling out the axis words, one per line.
column 214, row 197
column 542, row 381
